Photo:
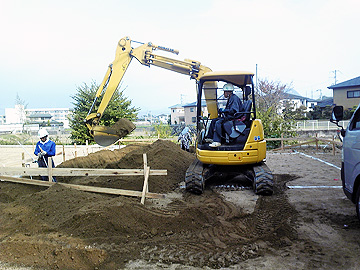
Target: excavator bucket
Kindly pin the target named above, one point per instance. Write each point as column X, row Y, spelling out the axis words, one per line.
column 106, row 136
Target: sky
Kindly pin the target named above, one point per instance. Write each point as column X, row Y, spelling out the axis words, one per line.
column 50, row 48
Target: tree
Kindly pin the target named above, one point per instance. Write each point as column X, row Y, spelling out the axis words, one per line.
column 19, row 101
column 349, row 112
column 268, row 97
column 321, row 112
column 20, row 107
column 291, row 113
column 162, row 130
column 118, row 107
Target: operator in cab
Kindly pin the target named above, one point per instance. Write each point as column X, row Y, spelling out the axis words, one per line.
column 233, row 106
column 44, row 149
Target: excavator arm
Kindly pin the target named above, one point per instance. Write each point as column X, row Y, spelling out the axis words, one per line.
column 144, row 54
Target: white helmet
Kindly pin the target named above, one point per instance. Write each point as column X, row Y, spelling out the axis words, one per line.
column 228, row 87
column 42, row 133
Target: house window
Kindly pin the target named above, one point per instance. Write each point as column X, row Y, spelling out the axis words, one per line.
column 193, row 119
column 191, row 109
column 353, row 94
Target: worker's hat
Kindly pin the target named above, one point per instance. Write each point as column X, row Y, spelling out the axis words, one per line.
column 42, row 133
column 228, row 87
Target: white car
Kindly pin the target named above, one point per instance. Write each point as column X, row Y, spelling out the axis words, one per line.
column 350, row 167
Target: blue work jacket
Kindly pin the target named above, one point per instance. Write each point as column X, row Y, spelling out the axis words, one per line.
column 48, row 147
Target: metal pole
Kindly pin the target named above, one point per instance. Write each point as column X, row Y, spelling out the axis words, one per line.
column 34, row 161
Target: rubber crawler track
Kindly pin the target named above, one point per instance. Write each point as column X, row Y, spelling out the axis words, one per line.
column 264, row 180
column 194, row 180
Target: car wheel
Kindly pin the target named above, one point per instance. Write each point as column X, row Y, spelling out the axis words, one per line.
column 358, row 203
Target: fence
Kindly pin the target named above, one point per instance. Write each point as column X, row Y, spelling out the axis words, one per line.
column 303, row 141
column 6, row 174
column 319, row 125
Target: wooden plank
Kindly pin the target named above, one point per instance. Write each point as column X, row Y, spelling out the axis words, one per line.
column 113, row 191
column 330, row 141
column 78, row 172
column 302, row 139
column 26, row 181
column 287, row 139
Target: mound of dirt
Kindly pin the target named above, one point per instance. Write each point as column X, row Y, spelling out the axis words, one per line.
column 62, row 228
column 162, row 155
column 99, row 159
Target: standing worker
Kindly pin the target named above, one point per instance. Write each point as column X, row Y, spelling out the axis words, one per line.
column 185, row 139
column 44, row 149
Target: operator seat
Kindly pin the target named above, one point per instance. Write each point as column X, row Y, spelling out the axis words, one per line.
column 234, row 128
column 247, row 110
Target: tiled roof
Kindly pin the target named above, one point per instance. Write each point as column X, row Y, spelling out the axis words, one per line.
column 40, row 115
column 325, row 102
column 193, row 104
column 292, row 96
column 349, row 83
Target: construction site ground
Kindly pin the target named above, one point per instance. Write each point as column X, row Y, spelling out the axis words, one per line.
column 228, row 227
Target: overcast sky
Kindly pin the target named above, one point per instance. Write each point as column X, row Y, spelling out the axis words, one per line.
column 49, row 48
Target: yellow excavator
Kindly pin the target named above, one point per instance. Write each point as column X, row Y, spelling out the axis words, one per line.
column 243, row 148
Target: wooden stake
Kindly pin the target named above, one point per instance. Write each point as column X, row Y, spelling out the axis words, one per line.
column 146, row 179
column 50, row 174
column 317, row 142
column 63, row 153
column 23, row 159
column 282, row 142
column 145, row 169
column 145, row 187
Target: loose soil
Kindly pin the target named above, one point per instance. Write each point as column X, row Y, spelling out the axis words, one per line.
column 227, row 227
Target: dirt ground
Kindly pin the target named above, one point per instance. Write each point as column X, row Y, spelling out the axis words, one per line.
column 228, row 227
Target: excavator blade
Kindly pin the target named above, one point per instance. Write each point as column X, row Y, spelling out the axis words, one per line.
column 106, row 136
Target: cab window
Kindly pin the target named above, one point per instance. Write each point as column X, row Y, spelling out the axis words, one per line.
column 355, row 123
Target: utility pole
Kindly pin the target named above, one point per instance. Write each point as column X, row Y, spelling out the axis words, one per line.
column 181, row 98
column 256, row 84
column 319, row 90
column 335, row 75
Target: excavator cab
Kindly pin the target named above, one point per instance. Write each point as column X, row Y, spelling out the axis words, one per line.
column 243, row 148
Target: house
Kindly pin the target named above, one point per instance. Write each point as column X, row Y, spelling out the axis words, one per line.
column 163, row 118
column 326, row 101
column 347, row 93
column 190, row 112
column 42, row 119
column 57, row 114
column 177, row 114
column 186, row 114
column 299, row 101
